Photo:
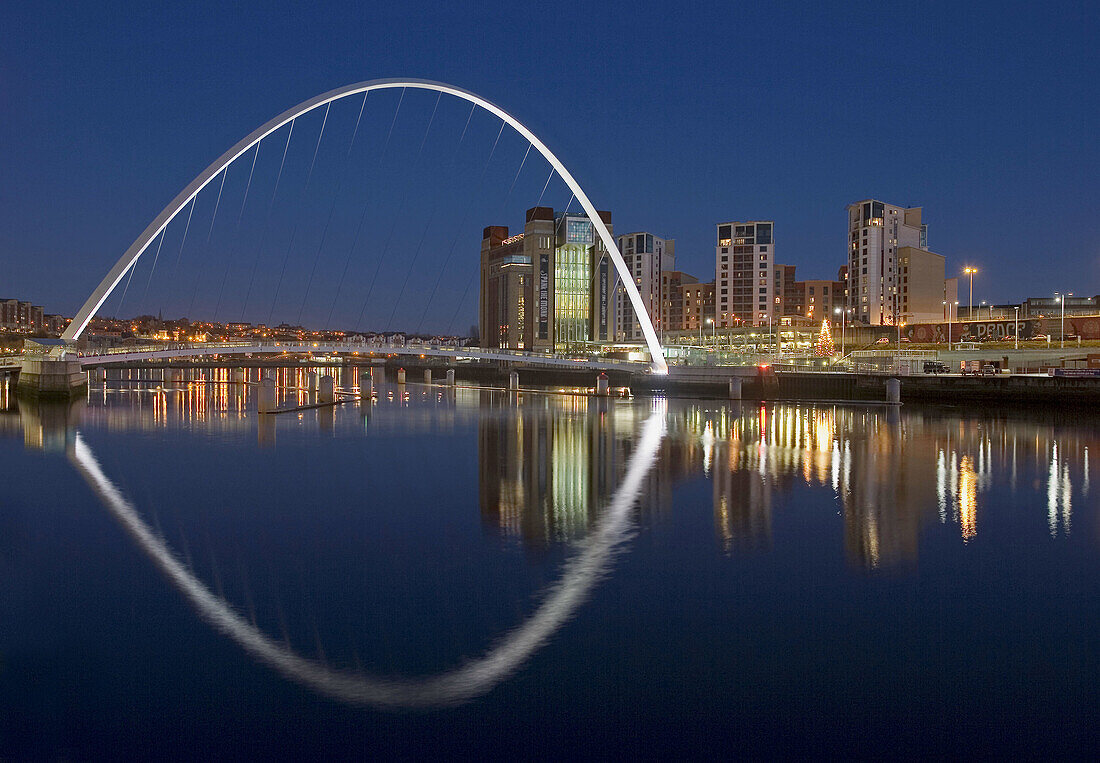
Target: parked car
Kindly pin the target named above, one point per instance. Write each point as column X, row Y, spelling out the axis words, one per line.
column 935, row 367
column 989, row 370
column 883, row 340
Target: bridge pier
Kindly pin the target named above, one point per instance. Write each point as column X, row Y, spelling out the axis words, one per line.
column 513, row 380
column 326, row 391
column 311, row 380
column 265, row 395
column 735, row 388
column 427, row 376
column 51, row 377
column 893, row 391
column 401, row 376
column 603, row 385
column 450, row 377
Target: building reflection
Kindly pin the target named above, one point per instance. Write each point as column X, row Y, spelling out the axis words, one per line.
column 546, row 469
column 547, row 463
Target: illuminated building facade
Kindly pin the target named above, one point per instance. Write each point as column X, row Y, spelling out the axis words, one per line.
column 547, row 288
column 698, row 304
column 876, row 231
column 647, row 256
column 744, row 263
column 544, row 476
column 672, row 298
column 817, row 299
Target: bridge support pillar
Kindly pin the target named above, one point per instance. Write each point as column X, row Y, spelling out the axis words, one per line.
column 326, row 391
column 735, row 388
column 427, row 376
column 450, row 377
column 513, row 380
column 175, row 375
column 238, row 376
column 401, row 376
column 265, row 395
column 101, row 375
column 603, row 385
column 51, row 377
column 311, row 380
column 893, row 391
column 366, row 385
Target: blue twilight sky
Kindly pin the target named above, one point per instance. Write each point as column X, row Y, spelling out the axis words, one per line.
column 674, row 117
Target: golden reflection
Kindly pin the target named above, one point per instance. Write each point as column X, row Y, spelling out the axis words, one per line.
column 548, row 462
column 968, row 499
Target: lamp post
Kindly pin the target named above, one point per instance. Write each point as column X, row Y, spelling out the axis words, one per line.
column 949, row 333
column 842, row 322
column 1059, row 297
column 970, row 305
column 980, row 311
column 1016, row 325
column 713, row 334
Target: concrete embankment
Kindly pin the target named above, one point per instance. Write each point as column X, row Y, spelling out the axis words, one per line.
column 749, row 382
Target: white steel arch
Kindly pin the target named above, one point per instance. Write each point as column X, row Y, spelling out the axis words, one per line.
column 473, row 678
column 112, row 279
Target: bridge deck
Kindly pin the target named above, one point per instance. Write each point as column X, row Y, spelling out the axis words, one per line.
column 132, row 354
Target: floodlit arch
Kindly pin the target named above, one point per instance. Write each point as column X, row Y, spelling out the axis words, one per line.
column 112, row 279
column 473, row 678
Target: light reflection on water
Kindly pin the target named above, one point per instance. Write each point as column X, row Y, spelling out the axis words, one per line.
column 879, row 529
column 548, row 462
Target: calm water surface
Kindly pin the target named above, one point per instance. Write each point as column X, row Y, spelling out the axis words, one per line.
column 478, row 572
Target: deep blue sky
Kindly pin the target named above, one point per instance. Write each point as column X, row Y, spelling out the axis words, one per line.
column 673, row 117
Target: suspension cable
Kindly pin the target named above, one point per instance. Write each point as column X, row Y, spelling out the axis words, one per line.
column 431, row 218
column 332, row 208
column 400, row 208
column 236, row 230
column 363, row 214
column 458, row 232
column 156, row 257
column 470, row 280
column 267, row 221
column 183, row 241
column 298, row 217
column 213, row 217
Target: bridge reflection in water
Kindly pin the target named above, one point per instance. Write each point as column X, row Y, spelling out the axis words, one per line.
column 560, row 469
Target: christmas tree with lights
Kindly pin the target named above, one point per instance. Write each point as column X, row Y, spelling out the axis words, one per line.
column 824, row 347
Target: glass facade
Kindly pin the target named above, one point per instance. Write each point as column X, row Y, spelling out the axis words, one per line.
column 578, row 232
column 572, row 292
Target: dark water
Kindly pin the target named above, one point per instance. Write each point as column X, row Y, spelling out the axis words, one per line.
column 474, row 572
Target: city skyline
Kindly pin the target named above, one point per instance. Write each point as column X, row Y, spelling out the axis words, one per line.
column 141, row 143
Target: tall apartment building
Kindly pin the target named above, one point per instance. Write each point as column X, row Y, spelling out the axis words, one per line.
column 698, row 301
column 876, row 231
column 647, row 256
column 744, row 260
column 786, row 295
column 21, row 316
column 923, row 287
column 819, row 299
column 672, row 296
column 546, row 288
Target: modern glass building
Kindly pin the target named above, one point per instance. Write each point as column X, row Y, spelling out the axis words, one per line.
column 547, row 288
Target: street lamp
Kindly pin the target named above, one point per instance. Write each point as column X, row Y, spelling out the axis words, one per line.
column 713, row 335
column 980, row 311
column 1016, row 325
column 842, row 322
column 1060, row 297
column 948, row 306
column 970, row 305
